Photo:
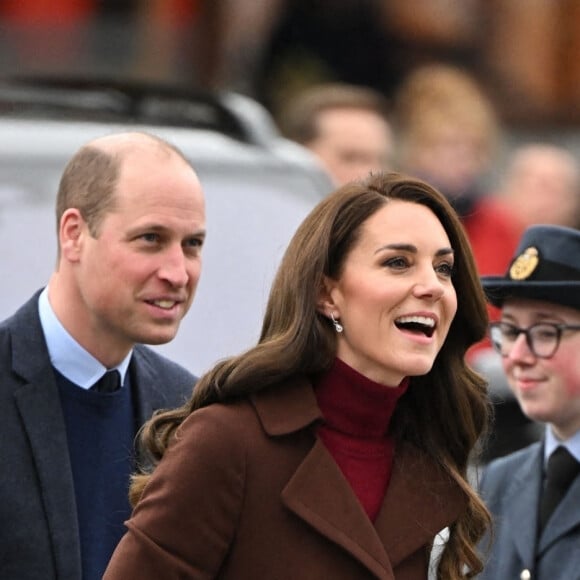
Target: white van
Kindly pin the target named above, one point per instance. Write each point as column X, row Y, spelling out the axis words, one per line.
column 258, row 187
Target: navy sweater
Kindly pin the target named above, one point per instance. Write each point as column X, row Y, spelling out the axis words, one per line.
column 100, row 430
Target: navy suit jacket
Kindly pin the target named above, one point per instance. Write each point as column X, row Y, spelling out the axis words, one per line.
column 511, row 487
column 38, row 517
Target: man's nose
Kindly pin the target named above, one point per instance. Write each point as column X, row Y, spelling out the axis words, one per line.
column 174, row 267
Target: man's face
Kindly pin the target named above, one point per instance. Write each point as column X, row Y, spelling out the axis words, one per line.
column 136, row 280
column 351, row 143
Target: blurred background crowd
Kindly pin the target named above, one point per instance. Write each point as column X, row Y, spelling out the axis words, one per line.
column 479, row 97
column 527, row 52
column 524, row 53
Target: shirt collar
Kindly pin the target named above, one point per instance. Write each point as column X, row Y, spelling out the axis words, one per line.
column 551, row 442
column 67, row 356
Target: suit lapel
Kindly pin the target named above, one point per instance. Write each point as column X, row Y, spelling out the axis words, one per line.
column 521, row 494
column 38, row 403
column 144, row 388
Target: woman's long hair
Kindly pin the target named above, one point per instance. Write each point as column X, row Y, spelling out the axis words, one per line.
column 444, row 412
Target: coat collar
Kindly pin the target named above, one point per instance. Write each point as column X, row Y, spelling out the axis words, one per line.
column 565, row 518
column 286, row 408
column 523, row 492
column 421, row 499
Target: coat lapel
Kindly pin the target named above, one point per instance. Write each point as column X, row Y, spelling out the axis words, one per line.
column 38, row 403
column 523, row 493
column 421, row 500
column 565, row 518
column 319, row 494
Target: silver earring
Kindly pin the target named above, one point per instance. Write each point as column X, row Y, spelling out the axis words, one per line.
column 337, row 325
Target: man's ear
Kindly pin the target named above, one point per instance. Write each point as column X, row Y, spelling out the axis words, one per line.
column 72, row 226
column 325, row 304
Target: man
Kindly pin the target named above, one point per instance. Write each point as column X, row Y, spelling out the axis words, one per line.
column 346, row 128
column 536, row 507
column 131, row 224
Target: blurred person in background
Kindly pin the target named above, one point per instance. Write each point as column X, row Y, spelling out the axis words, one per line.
column 541, row 185
column 447, row 130
column 338, row 446
column 345, row 126
column 131, row 225
column 534, row 493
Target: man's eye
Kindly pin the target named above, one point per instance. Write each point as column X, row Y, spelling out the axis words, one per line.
column 194, row 243
column 150, row 237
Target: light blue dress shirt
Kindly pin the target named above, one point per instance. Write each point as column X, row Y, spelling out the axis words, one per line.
column 67, row 356
column 551, row 442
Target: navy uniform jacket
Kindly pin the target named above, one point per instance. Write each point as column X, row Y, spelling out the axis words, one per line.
column 38, row 529
column 511, row 488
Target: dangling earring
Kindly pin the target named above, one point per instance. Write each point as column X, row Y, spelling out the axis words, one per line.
column 337, row 325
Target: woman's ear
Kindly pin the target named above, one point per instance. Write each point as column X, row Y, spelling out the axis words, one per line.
column 325, row 304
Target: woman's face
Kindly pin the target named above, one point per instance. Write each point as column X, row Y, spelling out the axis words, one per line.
column 547, row 390
column 395, row 297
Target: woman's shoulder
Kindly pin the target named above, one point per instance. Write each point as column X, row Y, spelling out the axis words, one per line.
column 278, row 409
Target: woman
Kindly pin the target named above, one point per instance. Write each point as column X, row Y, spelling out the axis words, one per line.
column 534, row 493
column 338, row 446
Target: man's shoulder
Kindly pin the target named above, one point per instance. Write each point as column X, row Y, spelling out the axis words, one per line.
column 26, row 312
column 156, row 364
column 21, row 333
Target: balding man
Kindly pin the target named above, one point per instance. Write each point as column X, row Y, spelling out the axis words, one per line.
column 131, row 225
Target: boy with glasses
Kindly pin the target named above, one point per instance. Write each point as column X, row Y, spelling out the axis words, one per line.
column 534, row 493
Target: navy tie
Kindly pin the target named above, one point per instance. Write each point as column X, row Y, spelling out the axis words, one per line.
column 108, row 383
column 562, row 470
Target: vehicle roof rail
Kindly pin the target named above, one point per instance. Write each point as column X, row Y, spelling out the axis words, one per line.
column 137, row 102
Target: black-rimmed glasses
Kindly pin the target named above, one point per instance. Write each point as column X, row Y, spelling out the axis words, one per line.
column 543, row 338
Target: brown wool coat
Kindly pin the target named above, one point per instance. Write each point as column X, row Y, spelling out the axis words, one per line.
column 248, row 492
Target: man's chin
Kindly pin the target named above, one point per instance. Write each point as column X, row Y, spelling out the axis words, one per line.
column 158, row 337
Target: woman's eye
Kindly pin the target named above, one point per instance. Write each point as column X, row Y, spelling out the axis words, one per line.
column 545, row 333
column 399, row 263
column 510, row 332
column 445, row 269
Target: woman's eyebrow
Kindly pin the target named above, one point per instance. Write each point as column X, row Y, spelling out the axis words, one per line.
column 401, row 247
column 413, row 249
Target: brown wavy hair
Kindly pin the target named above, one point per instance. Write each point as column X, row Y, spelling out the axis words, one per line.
column 297, row 340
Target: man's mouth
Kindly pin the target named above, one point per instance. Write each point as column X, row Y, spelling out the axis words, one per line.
column 164, row 304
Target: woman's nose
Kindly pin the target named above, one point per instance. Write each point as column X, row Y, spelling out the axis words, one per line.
column 521, row 350
column 429, row 285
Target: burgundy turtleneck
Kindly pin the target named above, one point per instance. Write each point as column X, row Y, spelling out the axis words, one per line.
column 357, row 413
